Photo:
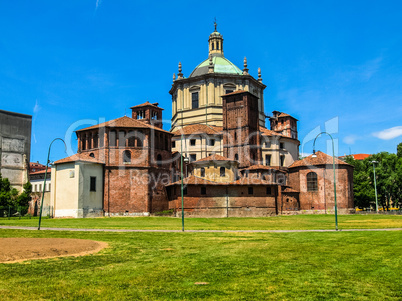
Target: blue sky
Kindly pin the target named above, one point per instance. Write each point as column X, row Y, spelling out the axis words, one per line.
column 334, row 65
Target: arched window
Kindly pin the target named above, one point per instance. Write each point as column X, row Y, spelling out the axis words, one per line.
column 222, row 172
column 236, row 157
column 131, row 138
column 140, row 138
column 159, row 160
column 112, row 138
column 202, row 172
column 96, row 140
column 126, row 156
column 312, row 181
column 213, row 46
column 217, row 45
column 122, row 139
column 92, row 155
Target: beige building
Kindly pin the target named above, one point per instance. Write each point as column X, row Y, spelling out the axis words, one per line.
column 197, row 99
column 198, row 113
column 77, row 187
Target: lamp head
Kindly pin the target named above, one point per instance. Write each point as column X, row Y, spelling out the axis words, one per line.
column 314, row 155
column 185, row 160
column 374, row 162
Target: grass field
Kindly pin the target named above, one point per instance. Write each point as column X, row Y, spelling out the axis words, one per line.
column 295, row 222
column 234, row 266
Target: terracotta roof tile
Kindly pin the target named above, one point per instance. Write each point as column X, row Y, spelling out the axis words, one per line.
column 356, row 156
column 321, row 159
column 123, row 122
column 199, row 129
column 148, row 104
column 236, row 92
column 41, row 171
column 83, row 157
column 270, row 133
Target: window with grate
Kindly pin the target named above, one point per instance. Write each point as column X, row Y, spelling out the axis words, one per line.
column 312, row 184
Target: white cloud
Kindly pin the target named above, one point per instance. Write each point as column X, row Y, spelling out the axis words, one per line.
column 389, row 134
column 351, row 139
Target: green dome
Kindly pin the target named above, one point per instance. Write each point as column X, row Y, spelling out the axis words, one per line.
column 221, row 65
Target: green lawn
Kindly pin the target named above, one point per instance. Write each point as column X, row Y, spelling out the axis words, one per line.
column 295, row 222
column 248, row 266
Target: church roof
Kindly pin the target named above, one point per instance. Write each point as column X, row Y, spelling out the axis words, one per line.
column 83, row 157
column 123, row 122
column 321, row 159
column 221, row 65
column 199, row 129
column 266, row 132
column 148, row 104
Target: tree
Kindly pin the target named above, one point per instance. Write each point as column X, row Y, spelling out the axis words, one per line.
column 388, row 173
column 9, row 196
column 399, row 150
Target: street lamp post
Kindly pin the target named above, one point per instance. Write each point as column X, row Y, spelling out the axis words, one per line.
column 375, row 186
column 44, row 183
column 333, row 166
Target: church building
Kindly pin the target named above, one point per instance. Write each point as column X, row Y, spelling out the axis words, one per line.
column 233, row 165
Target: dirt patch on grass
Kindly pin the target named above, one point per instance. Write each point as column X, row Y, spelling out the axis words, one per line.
column 20, row 249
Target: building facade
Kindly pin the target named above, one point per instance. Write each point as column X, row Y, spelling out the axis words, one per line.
column 236, row 165
column 15, row 147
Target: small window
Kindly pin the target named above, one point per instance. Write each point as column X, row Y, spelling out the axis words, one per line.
column 192, row 142
column 222, row 172
column 40, row 187
column 185, row 190
column 92, row 155
column 173, row 144
column 236, row 157
column 204, row 190
column 282, row 160
column 281, row 145
column 202, row 172
column 217, row 45
column 312, row 184
column 269, row 190
column 250, row 190
column 268, row 160
column 211, row 142
column 194, row 100
column 193, row 157
column 92, row 186
column 228, row 91
column 126, row 156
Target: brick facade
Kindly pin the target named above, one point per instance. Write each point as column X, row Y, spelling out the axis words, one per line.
column 241, row 136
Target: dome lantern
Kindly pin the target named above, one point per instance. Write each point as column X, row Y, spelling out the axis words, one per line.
column 215, row 43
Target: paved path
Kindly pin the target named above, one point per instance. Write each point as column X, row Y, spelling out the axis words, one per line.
column 206, row 231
